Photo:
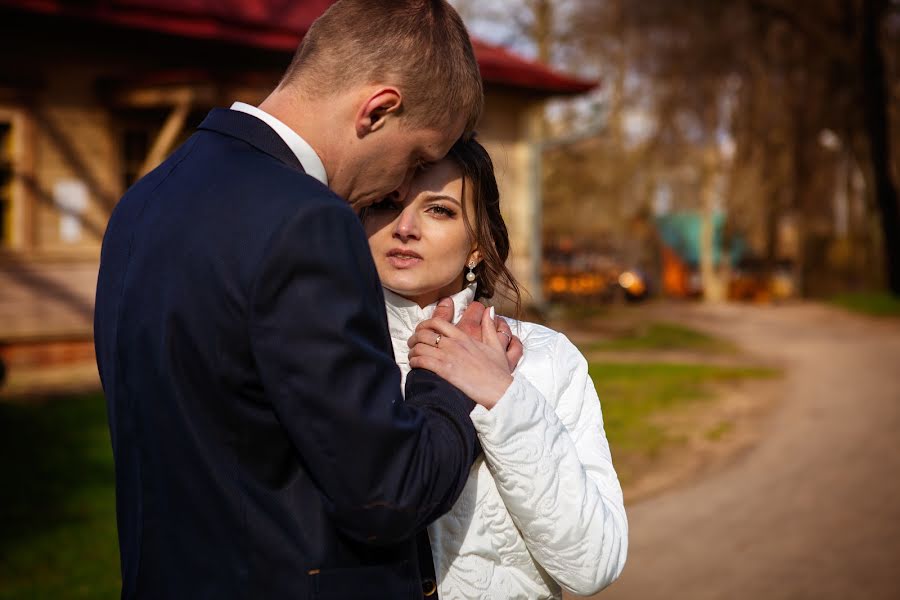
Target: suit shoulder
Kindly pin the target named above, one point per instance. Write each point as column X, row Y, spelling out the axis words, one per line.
column 280, row 181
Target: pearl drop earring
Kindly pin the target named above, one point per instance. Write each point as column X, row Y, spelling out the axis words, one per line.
column 470, row 276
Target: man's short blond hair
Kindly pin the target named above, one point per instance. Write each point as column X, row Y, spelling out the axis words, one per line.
column 421, row 46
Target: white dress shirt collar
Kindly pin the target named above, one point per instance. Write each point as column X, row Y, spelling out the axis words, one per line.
column 308, row 158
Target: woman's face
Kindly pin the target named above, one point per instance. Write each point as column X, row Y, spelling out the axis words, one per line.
column 420, row 243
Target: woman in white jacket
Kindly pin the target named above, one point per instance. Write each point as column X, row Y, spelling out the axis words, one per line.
column 542, row 510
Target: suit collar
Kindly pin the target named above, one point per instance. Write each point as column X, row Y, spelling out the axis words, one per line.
column 251, row 130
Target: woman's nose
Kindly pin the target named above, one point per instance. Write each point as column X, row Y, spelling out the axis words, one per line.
column 407, row 225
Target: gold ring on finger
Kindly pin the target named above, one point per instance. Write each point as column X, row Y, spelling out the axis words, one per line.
column 437, row 340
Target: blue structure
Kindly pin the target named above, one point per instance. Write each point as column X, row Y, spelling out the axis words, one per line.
column 680, row 231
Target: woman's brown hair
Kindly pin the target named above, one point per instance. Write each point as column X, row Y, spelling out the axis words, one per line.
column 487, row 228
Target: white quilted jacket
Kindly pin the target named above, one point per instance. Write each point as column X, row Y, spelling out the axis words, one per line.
column 542, row 510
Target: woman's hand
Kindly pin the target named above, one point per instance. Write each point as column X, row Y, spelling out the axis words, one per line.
column 480, row 369
column 470, row 324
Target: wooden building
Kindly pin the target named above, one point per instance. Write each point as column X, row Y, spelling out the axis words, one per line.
column 93, row 94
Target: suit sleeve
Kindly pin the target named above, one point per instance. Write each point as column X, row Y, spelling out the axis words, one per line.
column 318, row 328
column 556, row 478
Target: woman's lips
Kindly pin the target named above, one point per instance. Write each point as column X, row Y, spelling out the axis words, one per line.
column 403, row 259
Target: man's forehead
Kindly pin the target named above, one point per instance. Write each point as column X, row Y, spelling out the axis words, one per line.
column 443, row 145
column 435, row 146
column 443, row 138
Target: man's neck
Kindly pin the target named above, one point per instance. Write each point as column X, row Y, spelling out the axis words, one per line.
column 293, row 111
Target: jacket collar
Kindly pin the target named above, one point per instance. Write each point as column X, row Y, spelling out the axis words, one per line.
column 251, row 130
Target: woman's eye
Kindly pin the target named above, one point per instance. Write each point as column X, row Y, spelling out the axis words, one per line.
column 442, row 211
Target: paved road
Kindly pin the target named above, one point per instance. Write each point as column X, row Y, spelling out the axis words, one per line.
column 813, row 511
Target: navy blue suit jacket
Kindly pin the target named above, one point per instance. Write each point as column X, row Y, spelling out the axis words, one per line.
column 262, row 446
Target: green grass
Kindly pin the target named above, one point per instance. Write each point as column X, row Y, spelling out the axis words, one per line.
column 579, row 312
column 635, row 397
column 878, row 304
column 719, row 431
column 663, row 336
column 57, row 501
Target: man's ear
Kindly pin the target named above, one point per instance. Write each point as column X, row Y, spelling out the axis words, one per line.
column 373, row 113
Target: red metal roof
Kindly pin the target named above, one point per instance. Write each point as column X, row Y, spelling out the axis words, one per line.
column 501, row 66
column 278, row 25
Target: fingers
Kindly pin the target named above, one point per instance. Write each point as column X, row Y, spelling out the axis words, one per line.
column 514, row 353
column 428, row 363
column 423, row 356
column 439, row 326
column 489, row 333
column 444, row 310
column 430, row 338
column 424, row 350
column 505, row 332
column 427, row 332
column 509, row 343
column 470, row 323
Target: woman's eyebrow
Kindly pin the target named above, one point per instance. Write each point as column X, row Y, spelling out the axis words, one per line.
column 444, row 197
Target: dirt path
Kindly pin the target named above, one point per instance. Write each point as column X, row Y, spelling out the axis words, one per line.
column 813, row 511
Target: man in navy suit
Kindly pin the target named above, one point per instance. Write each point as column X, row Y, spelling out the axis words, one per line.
column 262, row 446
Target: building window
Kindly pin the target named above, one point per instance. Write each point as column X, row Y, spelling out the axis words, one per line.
column 139, row 129
column 6, row 183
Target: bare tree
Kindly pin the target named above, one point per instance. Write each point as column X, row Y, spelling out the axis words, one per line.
column 783, row 81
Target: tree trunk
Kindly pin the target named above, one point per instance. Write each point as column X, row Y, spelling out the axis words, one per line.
column 875, row 97
column 800, row 201
column 709, row 275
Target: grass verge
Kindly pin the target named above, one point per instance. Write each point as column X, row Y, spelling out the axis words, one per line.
column 662, row 336
column 877, row 304
column 636, row 398
column 57, row 501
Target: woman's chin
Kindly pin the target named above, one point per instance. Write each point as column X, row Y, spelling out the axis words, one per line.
column 413, row 288
column 406, row 291
column 420, row 294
